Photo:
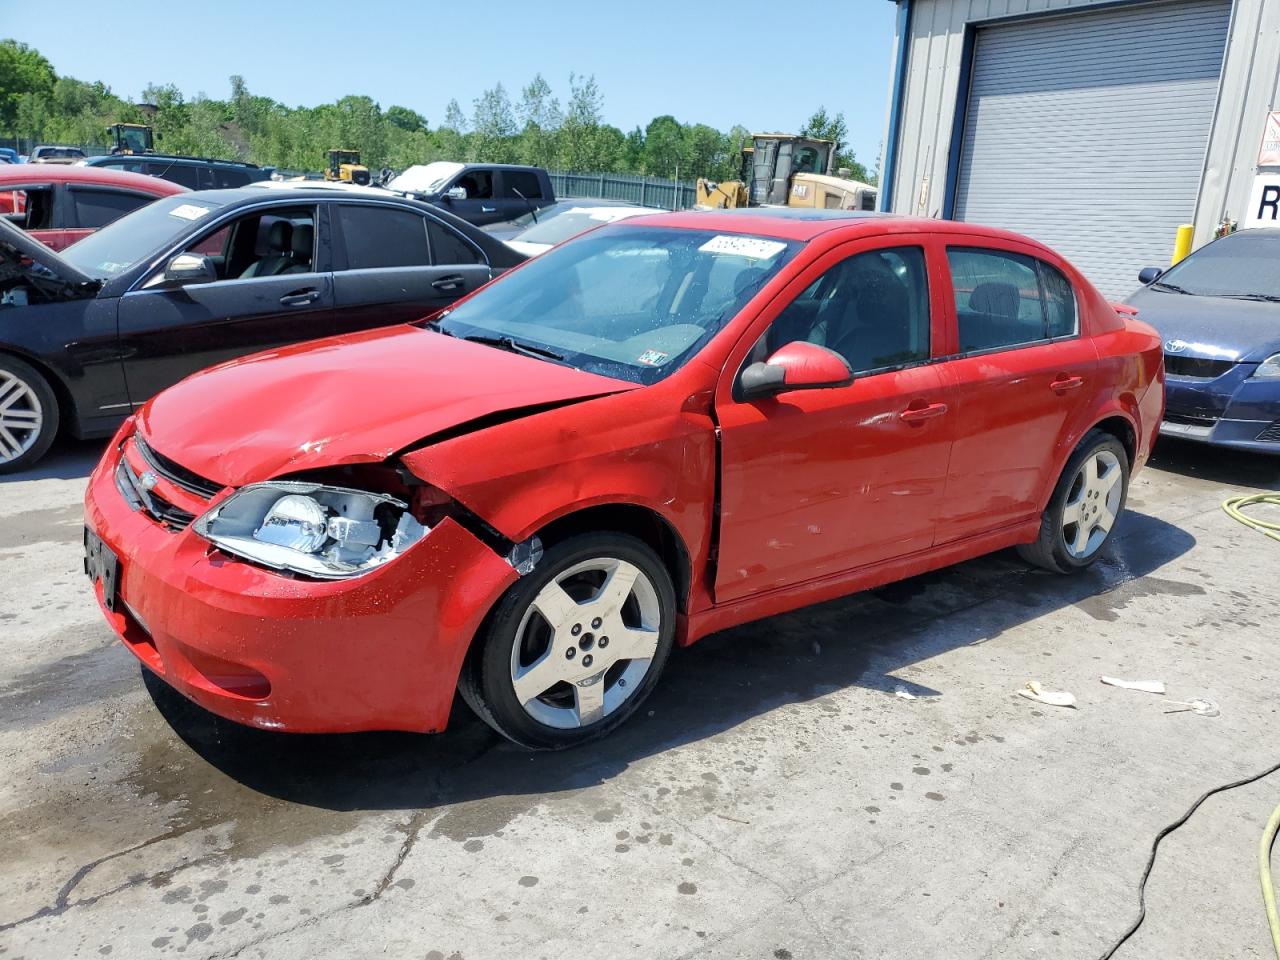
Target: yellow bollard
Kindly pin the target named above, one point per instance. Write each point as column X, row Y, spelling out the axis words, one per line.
column 1182, row 243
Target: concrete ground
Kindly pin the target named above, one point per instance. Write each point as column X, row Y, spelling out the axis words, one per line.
column 774, row 799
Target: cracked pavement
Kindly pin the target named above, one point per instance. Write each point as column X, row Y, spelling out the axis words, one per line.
column 774, row 798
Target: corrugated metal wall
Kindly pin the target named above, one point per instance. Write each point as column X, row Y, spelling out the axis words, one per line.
column 1250, row 87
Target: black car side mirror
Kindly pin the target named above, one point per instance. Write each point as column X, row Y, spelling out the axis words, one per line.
column 187, row 268
column 1149, row 275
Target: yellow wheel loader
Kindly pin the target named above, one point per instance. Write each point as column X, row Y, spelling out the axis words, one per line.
column 783, row 170
column 345, row 166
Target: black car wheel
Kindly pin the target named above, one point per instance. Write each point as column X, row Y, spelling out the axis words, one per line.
column 28, row 414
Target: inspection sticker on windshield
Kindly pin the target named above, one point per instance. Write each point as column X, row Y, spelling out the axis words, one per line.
column 652, row 358
column 751, row 247
column 188, row 211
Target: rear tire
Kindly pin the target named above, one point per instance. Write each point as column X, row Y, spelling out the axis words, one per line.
column 28, row 415
column 1085, row 507
column 573, row 648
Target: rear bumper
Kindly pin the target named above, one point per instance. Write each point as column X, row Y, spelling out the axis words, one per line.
column 380, row 652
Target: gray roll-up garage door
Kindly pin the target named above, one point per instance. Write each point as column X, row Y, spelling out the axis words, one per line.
column 1088, row 131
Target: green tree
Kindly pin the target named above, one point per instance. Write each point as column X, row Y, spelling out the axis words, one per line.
column 824, row 127
column 24, row 73
column 493, row 127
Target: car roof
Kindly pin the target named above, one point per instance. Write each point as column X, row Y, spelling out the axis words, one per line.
column 74, row 173
column 797, row 223
column 110, row 158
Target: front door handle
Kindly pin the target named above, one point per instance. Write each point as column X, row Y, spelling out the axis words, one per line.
column 922, row 413
column 1064, row 382
column 484, row 209
column 452, row 282
column 300, row 298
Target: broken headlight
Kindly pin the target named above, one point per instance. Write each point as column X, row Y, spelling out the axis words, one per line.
column 308, row 528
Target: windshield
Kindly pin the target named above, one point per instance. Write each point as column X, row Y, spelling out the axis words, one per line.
column 122, row 243
column 574, row 221
column 425, row 178
column 626, row 301
column 1245, row 264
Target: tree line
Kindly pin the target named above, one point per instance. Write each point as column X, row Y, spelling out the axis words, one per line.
column 37, row 104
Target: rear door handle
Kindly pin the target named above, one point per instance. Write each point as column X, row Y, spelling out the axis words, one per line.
column 921, row 414
column 1066, row 383
column 484, row 209
column 452, row 282
column 299, row 298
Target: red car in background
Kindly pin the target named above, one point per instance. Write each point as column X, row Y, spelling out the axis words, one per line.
column 657, row 430
column 59, row 204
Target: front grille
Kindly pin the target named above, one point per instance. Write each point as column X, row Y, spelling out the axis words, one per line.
column 1189, row 420
column 1271, row 434
column 1196, row 368
column 176, row 473
column 140, row 498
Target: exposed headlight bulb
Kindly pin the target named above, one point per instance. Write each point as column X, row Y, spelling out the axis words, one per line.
column 297, row 522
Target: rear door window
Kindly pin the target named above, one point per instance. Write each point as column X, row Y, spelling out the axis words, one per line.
column 224, row 177
column 1006, row 299
column 521, row 184
column 448, row 247
column 96, row 208
column 382, row 237
column 178, row 173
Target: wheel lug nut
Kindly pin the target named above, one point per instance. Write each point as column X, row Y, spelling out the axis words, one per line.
column 604, row 642
column 577, row 629
column 570, row 653
column 595, row 624
column 586, row 661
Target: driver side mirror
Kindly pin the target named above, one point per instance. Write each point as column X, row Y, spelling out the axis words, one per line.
column 1149, row 275
column 799, row 365
column 456, row 193
column 186, row 268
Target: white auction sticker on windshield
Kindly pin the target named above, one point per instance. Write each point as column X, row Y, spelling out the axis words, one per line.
column 652, row 358
column 188, row 211
column 753, row 248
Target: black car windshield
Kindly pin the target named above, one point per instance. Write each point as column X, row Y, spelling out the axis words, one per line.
column 1245, row 264
column 122, row 243
column 630, row 302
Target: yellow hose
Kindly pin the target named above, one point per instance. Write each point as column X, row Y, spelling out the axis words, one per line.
column 1235, row 509
column 1264, row 873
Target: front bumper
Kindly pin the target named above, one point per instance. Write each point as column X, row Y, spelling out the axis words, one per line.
column 1234, row 410
column 379, row 652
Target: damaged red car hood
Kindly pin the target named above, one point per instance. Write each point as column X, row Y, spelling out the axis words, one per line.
column 352, row 399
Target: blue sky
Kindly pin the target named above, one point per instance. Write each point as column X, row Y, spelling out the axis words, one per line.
column 764, row 65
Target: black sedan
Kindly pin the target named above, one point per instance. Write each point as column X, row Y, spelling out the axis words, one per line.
column 1219, row 314
column 192, row 280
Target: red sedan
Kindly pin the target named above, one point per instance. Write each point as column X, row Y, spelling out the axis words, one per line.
column 658, row 430
column 59, row 204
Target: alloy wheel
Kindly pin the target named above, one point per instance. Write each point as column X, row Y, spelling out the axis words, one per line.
column 585, row 643
column 21, row 417
column 1092, row 505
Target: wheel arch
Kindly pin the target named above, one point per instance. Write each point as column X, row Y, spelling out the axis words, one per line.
column 68, row 413
column 1113, row 421
column 645, row 524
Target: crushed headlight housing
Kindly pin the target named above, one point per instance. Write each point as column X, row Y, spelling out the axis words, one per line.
column 331, row 533
column 1269, row 367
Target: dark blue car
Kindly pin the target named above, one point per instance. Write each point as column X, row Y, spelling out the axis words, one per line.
column 1218, row 312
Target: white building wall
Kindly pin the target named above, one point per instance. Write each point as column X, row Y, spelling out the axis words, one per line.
column 1250, row 89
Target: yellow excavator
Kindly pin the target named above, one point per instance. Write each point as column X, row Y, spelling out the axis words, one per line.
column 345, row 166
column 785, row 170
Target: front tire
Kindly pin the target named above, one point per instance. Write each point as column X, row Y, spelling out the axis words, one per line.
column 28, row 415
column 573, row 648
column 1085, row 506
